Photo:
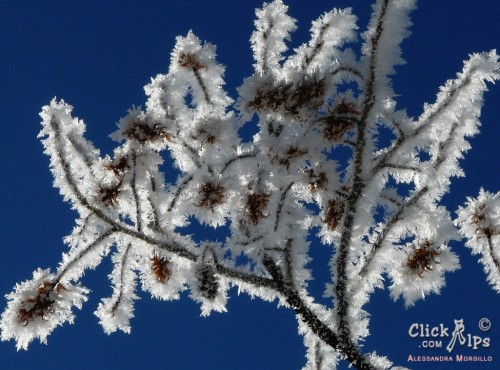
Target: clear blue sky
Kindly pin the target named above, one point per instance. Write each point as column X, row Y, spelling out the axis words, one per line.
column 98, row 55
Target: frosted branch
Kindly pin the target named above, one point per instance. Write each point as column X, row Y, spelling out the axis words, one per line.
column 479, row 223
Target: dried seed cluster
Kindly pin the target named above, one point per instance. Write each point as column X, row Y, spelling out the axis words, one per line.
column 483, row 228
column 343, row 117
column 316, row 181
column 40, row 304
column 118, row 168
column 142, row 132
column 292, row 153
column 334, row 213
column 109, row 196
column 422, row 259
column 189, row 60
column 255, row 206
column 206, row 136
column 289, row 97
column 211, row 195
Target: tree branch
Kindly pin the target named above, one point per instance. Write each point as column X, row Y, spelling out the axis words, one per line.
column 178, row 192
column 115, row 225
column 123, row 262
column 388, row 226
column 133, row 185
column 342, row 305
column 82, row 253
column 280, row 205
column 343, row 346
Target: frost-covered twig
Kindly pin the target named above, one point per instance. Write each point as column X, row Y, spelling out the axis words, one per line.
column 479, row 223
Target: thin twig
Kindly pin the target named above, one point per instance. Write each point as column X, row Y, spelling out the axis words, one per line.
column 133, row 185
column 280, row 206
column 178, row 192
column 123, row 263
column 342, row 303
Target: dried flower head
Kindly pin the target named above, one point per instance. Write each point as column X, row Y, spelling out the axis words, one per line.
column 291, row 98
column 483, row 226
column 269, row 97
column 423, row 258
column 345, row 108
column 211, row 195
column 316, row 181
column 118, row 168
column 189, row 60
column 256, row 203
column 308, row 94
column 40, row 304
column 342, row 118
column 335, row 127
column 142, row 132
column 206, row 136
column 109, row 195
column 292, row 153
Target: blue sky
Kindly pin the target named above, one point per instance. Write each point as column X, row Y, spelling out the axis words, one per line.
column 98, row 56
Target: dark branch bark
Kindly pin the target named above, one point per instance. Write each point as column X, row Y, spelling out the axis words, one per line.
column 123, row 263
column 491, row 251
column 422, row 125
column 83, row 252
column 178, row 192
column 280, row 206
column 344, row 347
column 340, row 272
column 133, row 185
column 385, row 231
column 202, row 85
column 231, row 161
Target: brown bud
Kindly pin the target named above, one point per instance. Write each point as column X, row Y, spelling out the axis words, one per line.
column 334, row 213
column 160, row 267
column 208, row 282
